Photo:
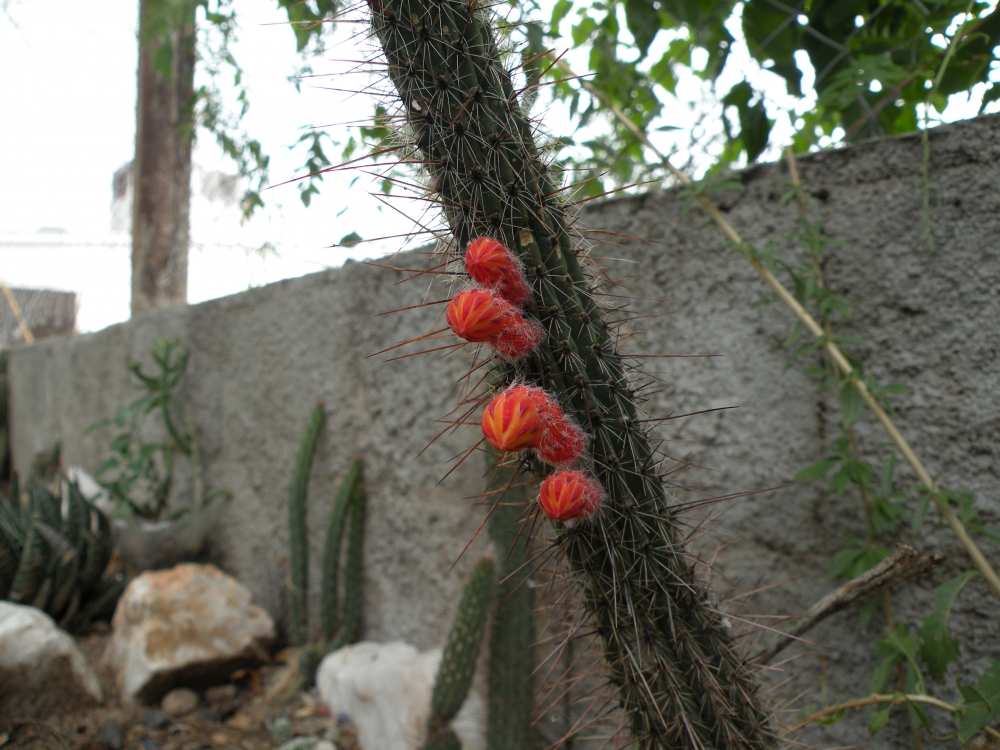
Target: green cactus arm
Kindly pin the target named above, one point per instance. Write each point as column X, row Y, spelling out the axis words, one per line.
column 330, row 591
column 298, row 587
column 510, row 683
column 458, row 663
column 100, row 544
column 669, row 654
column 353, row 567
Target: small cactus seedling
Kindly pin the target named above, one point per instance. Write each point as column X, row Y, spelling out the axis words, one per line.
column 679, row 679
column 461, row 651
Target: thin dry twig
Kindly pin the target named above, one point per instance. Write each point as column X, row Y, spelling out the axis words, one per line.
column 902, row 564
column 895, row 699
column 807, row 320
column 18, row 315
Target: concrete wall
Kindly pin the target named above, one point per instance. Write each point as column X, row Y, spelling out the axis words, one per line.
column 260, row 359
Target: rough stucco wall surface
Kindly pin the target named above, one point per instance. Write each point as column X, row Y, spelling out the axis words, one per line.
column 260, row 359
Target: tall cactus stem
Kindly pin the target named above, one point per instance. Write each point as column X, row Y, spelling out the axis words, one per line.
column 510, row 684
column 298, row 586
column 343, row 505
column 669, row 654
column 461, row 651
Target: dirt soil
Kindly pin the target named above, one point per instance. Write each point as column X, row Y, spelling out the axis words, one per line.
column 237, row 717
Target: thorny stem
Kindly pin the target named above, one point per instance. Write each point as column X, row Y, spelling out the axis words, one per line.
column 953, row 521
column 895, row 699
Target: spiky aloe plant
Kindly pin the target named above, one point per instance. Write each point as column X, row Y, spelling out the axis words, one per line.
column 53, row 554
column 668, row 651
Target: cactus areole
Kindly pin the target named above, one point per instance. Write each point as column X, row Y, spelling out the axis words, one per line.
column 670, row 657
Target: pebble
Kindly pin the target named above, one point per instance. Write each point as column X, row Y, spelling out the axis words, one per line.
column 301, row 743
column 154, row 720
column 240, row 721
column 179, row 702
column 220, row 739
column 110, row 735
column 220, row 694
column 325, row 745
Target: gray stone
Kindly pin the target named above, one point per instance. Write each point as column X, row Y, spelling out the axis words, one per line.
column 260, row 359
column 179, row 701
column 190, row 625
column 154, row 720
column 110, row 734
column 300, row 743
column 41, row 669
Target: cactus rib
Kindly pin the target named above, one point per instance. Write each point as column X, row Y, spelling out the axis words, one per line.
column 669, row 653
column 298, row 587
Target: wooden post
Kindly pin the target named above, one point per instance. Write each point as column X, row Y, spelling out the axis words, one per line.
column 162, row 165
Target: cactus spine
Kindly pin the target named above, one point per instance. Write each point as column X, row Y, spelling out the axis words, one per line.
column 458, row 663
column 668, row 652
column 510, row 687
column 298, row 585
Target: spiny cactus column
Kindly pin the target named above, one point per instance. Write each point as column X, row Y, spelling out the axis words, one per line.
column 512, row 633
column 458, row 662
column 668, row 651
column 298, row 574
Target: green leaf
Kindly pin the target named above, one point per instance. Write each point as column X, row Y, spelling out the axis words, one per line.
column 643, row 20
column 984, row 706
column 920, row 513
column 878, row 720
column 851, row 404
column 938, row 648
column 350, row 240
column 816, row 471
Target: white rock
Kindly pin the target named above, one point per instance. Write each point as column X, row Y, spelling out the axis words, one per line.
column 41, row 669
column 385, row 690
column 190, row 625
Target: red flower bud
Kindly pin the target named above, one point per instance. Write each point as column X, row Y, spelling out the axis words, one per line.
column 511, row 421
column 569, row 495
column 491, row 264
column 478, row 316
column 519, row 338
column 562, row 443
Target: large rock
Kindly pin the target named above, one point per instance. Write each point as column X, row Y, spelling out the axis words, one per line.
column 41, row 669
column 385, row 690
column 191, row 625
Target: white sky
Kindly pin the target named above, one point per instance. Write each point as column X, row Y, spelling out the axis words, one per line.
column 67, row 84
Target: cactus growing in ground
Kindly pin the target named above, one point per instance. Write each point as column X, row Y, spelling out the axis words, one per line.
column 340, row 615
column 458, row 662
column 510, row 683
column 669, row 653
column 298, row 575
column 53, row 554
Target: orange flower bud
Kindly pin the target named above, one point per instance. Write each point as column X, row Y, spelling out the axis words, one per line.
column 569, row 495
column 491, row 264
column 511, row 421
column 478, row 316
